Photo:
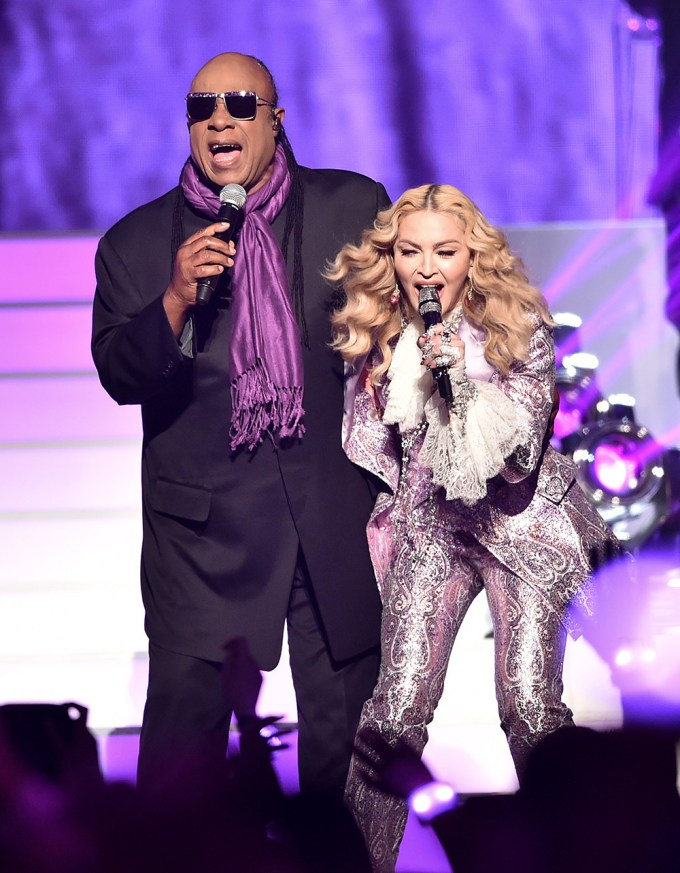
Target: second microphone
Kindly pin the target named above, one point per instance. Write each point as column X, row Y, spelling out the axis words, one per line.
column 430, row 309
column 232, row 201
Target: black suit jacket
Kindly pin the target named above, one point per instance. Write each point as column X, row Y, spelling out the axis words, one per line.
column 221, row 530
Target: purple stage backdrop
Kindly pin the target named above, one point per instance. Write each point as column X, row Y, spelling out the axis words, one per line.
column 540, row 111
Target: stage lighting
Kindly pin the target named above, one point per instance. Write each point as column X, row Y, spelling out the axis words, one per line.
column 575, row 381
column 579, row 396
column 621, row 468
column 632, row 481
column 566, row 334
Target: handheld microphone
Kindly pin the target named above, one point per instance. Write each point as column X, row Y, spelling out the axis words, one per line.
column 430, row 309
column 232, row 200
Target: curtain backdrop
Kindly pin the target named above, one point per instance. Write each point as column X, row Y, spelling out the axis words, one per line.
column 541, row 111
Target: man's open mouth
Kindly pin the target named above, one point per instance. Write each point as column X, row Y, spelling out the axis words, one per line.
column 222, row 148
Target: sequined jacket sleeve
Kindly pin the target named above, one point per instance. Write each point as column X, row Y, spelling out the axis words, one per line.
column 529, row 385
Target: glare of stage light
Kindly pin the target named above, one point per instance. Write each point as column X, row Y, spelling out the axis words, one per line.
column 623, row 657
column 431, row 799
column 566, row 335
column 636, row 632
column 567, row 319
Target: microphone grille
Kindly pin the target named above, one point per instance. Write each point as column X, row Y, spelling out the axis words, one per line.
column 234, row 195
column 428, row 299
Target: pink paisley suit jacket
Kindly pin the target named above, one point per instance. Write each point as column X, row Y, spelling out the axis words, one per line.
column 535, row 519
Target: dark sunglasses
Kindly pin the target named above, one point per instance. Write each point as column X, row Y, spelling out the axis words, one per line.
column 241, row 105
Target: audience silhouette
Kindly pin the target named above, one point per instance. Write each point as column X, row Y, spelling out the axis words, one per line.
column 212, row 814
column 590, row 801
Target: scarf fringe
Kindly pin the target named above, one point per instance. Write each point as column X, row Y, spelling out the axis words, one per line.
column 259, row 407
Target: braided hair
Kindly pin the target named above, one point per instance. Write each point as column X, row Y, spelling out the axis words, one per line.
column 295, row 208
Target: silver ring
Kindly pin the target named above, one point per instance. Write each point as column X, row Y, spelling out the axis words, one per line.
column 445, row 361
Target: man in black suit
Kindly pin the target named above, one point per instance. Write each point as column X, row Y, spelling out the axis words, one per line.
column 252, row 515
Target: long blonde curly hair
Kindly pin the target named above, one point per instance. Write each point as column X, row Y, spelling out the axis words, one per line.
column 501, row 300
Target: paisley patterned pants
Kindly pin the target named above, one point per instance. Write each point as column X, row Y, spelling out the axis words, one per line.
column 425, row 598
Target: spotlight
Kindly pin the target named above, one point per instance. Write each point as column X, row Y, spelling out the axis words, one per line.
column 631, row 480
column 579, row 396
column 565, row 333
column 621, row 468
column 575, row 382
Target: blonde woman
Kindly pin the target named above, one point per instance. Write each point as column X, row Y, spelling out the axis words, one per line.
column 475, row 496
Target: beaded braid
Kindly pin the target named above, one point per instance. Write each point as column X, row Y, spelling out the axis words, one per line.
column 177, row 237
column 295, row 213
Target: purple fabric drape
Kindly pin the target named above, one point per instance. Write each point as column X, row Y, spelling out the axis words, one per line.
column 266, row 373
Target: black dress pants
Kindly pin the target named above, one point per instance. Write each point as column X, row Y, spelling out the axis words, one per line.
column 185, row 712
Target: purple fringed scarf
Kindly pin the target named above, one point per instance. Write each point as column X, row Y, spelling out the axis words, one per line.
column 265, row 371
